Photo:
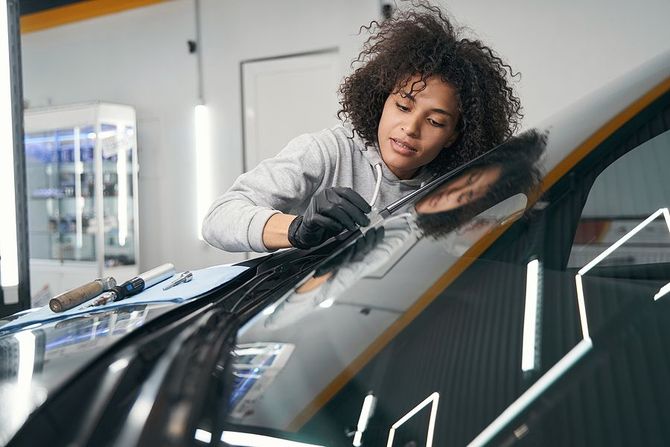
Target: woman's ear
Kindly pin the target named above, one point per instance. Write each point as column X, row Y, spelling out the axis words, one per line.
column 458, row 131
column 452, row 139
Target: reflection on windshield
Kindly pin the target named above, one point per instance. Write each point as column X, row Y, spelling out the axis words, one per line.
column 510, row 169
column 340, row 317
column 87, row 332
column 255, row 367
column 41, row 357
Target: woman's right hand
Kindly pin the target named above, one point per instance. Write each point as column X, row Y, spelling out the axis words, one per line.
column 330, row 212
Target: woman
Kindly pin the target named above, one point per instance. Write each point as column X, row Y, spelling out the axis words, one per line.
column 422, row 101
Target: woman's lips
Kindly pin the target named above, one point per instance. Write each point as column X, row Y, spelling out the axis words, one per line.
column 402, row 148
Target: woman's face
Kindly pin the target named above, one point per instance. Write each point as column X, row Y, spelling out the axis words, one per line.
column 415, row 127
column 465, row 189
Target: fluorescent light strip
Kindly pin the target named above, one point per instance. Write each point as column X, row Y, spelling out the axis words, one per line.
column 118, row 365
column 203, row 158
column 532, row 393
column 666, row 288
column 666, row 214
column 578, row 278
column 240, row 439
column 24, row 375
column 21, row 396
column 328, row 302
column 366, row 414
column 9, row 257
column 662, row 292
column 269, row 310
column 79, row 200
column 122, row 193
column 432, row 399
column 575, row 354
column 432, row 421
column 203, row 436
column 251, row 351
column 621, row 241
column 530, row 316
column 581, row 303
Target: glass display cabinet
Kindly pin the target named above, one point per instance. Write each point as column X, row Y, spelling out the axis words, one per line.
column 81, row 173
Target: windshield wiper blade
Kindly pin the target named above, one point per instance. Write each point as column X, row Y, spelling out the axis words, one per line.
column 430, row 186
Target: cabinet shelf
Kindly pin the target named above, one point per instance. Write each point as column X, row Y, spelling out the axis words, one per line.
column 73, row 197
column 67, row 195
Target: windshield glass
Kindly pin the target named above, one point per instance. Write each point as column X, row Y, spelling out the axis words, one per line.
column 37, row 360
column 491, row 310
column 306, row 363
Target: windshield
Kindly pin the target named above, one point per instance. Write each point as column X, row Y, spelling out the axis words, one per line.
column 306, row 363
column 39, row 359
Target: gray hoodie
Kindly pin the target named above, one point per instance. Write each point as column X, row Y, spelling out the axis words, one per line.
column 286, row 183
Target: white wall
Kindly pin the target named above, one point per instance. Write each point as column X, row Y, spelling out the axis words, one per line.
column 563, row 49
column 139, row 57
column 566, row 49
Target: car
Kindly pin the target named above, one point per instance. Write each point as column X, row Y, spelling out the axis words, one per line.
column 522, row 299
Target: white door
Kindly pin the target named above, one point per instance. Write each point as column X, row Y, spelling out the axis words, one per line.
column 285, row 97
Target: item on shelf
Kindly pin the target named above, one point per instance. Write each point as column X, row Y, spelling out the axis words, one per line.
column 47, row 193
column 109, row 184
column 116, row 260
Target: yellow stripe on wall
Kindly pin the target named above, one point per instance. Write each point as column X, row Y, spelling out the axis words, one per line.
column 85, row 10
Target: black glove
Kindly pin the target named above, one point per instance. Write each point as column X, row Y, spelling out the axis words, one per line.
column 329, row 213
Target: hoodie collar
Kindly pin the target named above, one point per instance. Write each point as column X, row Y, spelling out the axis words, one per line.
column 373, row 155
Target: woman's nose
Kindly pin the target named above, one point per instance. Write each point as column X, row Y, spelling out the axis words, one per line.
column 411, row 126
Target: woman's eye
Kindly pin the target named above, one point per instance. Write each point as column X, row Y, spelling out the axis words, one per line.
column 435, row 123
column 401, row 107
column 474, row 177
column 465, row 197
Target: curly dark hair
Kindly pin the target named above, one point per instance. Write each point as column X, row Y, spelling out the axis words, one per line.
column 423, row 42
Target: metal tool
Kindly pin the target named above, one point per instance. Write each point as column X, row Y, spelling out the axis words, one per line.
column 181, row 279
column 136, row 284
column 74, row 297
column 102, row 299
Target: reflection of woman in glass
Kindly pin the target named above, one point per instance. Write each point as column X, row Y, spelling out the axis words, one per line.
column 471, row 186
column 510, row 169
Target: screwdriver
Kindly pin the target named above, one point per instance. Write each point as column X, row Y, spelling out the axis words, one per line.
column 78, row 295
column 135, row 285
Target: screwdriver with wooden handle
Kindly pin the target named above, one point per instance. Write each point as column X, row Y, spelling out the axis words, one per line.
column 74, row 297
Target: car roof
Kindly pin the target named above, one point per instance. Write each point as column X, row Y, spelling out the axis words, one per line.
column 577, row 129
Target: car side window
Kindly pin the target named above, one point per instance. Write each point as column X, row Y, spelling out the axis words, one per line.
column 624, row 195
column 611, row 302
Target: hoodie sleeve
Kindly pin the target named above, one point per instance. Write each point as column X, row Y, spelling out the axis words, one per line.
column 285, row 183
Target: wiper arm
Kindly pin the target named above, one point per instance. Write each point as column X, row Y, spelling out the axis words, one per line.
column 260, row 284
column 432, row 185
